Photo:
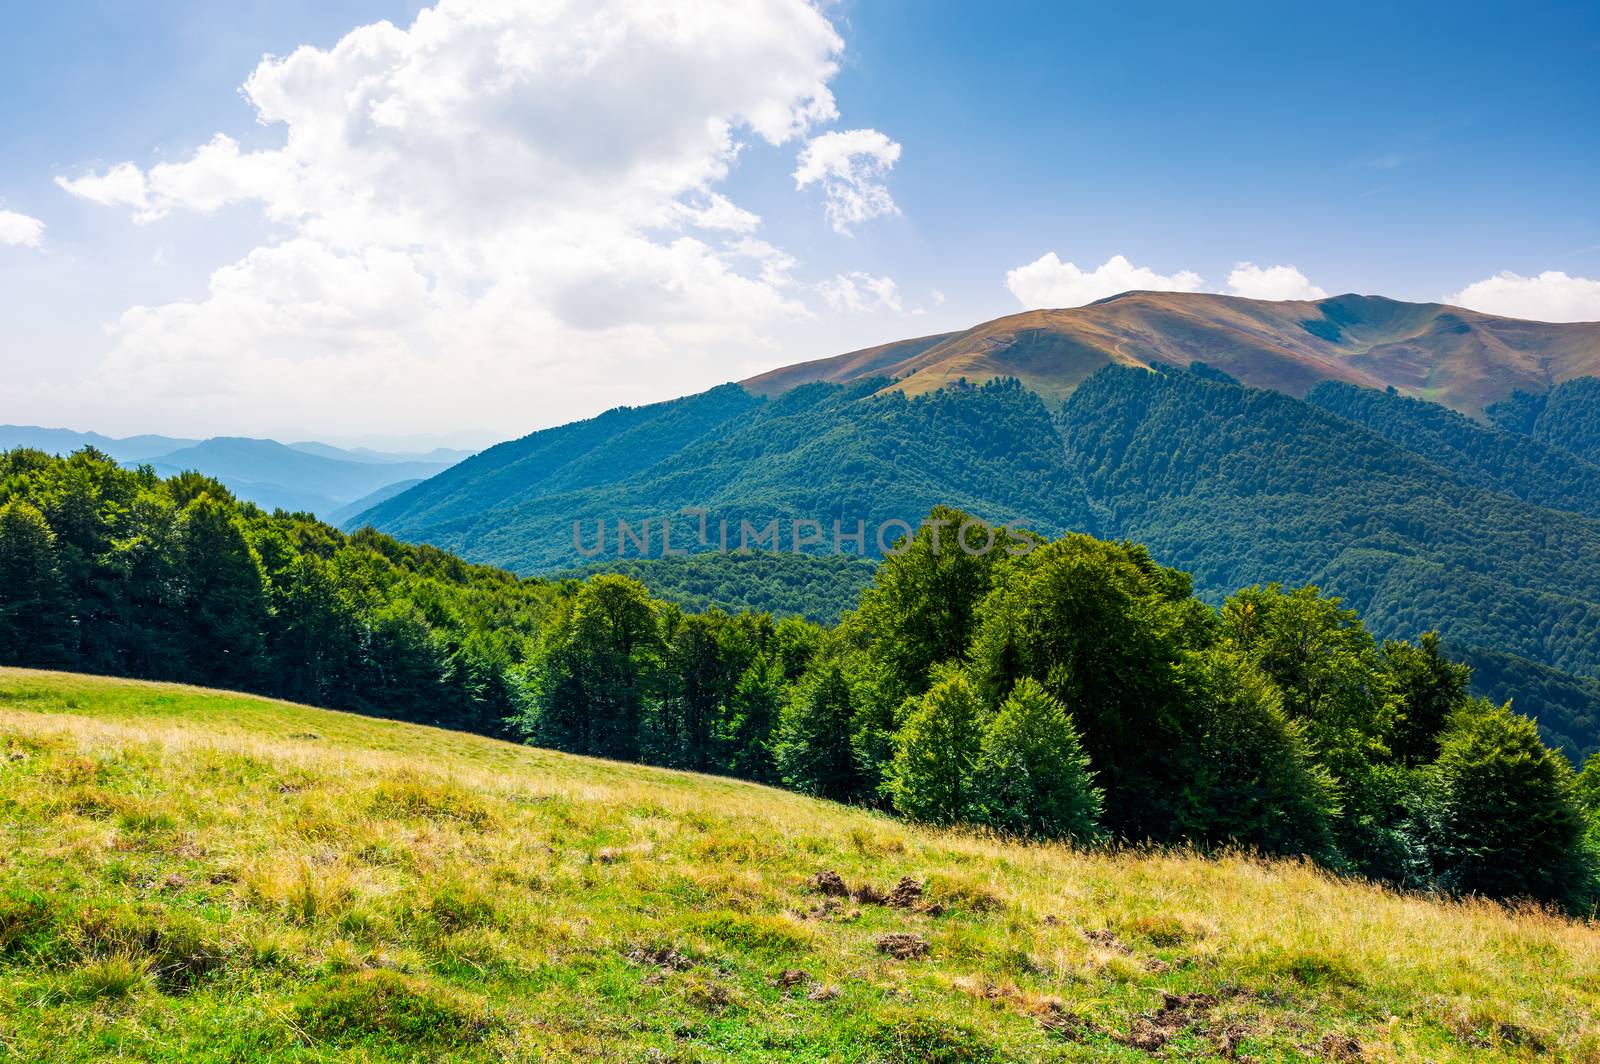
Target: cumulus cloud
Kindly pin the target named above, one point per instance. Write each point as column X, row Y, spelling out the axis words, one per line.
column 861, row 293
column 123, row 185
column 1551, row 296
column 851, row 166
column 20, row 230
column 501, row 213
column 1271, row 282
column 1049, row 282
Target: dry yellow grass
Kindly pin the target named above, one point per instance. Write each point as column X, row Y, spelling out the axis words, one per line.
column 191, row 874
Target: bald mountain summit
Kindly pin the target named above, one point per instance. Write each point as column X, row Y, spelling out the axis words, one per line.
column 1459, row 358
column 1435, row 467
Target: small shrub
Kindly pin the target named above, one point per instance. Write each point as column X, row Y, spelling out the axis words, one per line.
column 303, row 892
column 1314, row 968
column 905, row 1037
column 458, row 903
column 178, row 950
column 959, row 893
column 1160, row 931
column 755, row 934
column 387, row 1006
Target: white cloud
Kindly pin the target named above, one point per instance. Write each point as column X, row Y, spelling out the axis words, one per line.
column 1551, row 296
column 486, row 216
column 1271, row 282
column 861, row 293
column 1049, row 282
column 851, row 167
column 774, row 262
column 123, row 185
column 20, row 230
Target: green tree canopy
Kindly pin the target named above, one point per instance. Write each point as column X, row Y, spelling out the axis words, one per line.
column 34, row 620
column 1032, row 776
column 1508, row 822
column 935, row 751
column 814, row 751
column 1253, row 780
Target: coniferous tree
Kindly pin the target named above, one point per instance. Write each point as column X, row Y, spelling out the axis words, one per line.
column 145, row 620
column 1586, row 789
column 596, row 670
column 696, row 689
column 315, row 645
column 1327, row 667
column 1032, row 776
column 1102, row 627
column 753, row 721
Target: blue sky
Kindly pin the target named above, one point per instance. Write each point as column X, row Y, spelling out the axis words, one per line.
column 387, row 285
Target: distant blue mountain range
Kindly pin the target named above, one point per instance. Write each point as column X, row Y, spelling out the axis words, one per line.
column 332, row 482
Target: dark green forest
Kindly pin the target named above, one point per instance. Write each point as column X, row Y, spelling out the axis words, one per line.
column 124, row 573
column 1567, row 416
column 1050, row 688
column 819, row 588
column 1416, row 516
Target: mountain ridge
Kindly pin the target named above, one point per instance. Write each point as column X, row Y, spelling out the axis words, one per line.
column 302, row 476
column 1459, row 358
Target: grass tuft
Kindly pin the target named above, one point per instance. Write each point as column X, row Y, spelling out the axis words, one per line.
column 390, row 1007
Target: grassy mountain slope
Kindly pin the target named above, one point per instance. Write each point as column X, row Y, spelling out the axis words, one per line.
column 1456, row 357
column 841, row 369
column 198, row 875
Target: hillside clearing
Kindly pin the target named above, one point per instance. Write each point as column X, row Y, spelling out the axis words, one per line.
column 193, row 874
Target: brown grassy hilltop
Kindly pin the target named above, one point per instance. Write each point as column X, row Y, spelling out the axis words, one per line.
column 1460, row 358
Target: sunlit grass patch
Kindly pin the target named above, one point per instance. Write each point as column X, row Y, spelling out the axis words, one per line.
column 183, row 872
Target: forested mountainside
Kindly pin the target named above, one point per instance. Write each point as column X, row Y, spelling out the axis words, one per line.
column 1419, row 517
column 1239, row 485
column 1567, row 416
column 1526, row 467
column 1067, row 688
column 820, row 588
column 823, row 452
column 116, row 571
column 1460, row 358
